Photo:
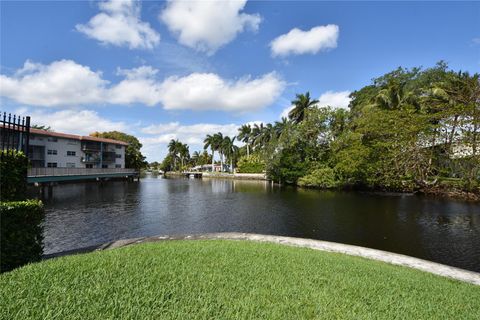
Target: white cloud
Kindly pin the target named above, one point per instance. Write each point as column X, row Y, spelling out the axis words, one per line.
column 286, row 111
column 297, row 41
column 207, row 25
column 334, row 99
column 207, row 91
column 139, row 86
column 81, row 122
column 66, row 83
column 61, row 82
column 119, row 24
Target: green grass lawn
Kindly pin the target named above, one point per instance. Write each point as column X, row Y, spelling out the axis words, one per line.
column 221, row 279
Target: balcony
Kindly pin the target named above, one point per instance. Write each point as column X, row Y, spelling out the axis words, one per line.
column 108, row 157
column 91, row 146
column 91, row 159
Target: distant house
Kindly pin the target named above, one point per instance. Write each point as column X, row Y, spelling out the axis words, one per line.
column 54, row 149
column 208, row 168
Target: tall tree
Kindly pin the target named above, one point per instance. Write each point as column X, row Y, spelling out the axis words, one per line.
column 245, row 135
column 229, row 149
column 301, row 103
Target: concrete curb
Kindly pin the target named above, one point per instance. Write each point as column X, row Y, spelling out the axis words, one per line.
column 374, row 254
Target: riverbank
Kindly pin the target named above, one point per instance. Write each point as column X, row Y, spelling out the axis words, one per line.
column 229, row 279
column 224, row 175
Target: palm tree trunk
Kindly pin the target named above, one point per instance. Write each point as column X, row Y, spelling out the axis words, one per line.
column 248, row 150
column 221, row 162
column 213, row 155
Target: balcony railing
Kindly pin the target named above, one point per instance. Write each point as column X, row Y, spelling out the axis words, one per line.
column 108, row 157
column 38, row 172
column 91, row 146
column 90, row 159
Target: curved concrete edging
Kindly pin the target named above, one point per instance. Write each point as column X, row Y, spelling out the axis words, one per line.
column 374, row 254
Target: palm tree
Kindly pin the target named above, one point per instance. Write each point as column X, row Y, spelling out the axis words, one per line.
column 173, row 149
column 210, row 141
column 395, row 96
column 196, row 157
column 245, row 135
column 184, row 152
column 256, row 134
column 280, row 127
column 218, row 146
column 213, row 141
column 230, row 149
column 301, row 103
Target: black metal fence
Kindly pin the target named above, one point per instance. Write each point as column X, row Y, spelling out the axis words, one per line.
column 14, row 132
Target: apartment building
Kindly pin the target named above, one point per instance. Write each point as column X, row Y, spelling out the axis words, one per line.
column 61, row 150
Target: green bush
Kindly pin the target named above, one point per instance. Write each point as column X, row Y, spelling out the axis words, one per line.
column 13, row 175
column 323, row 177
column 251, row 164
column 21, row 233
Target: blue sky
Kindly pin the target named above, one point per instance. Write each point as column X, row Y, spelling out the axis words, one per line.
column 163, row 70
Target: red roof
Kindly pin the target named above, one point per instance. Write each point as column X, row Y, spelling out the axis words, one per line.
column 75, row 137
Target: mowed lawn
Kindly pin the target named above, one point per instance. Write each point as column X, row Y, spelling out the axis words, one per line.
column 221, row 279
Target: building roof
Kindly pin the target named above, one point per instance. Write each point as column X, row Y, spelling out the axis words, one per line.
column 75, row 137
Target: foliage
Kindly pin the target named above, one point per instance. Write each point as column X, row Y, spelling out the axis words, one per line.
column 13, row 175
column 301, row 103
column 178, row 150
column 167, row 163
column 220, row 279
column 133, row 157
column 251, row 164
column 21, row 233
column 323, row 177
column 403, row 132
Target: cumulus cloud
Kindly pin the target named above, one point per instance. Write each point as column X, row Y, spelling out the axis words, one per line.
column 119, row 24
column 286, row 111
column 139, row 86
column 333, row 99
column 207, row 91
column 207, row 25
column 58, row 83
column 82, row 122
column 297, row 41
column 66, row 83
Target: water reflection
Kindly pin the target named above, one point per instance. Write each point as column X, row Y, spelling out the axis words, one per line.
column 441, row 230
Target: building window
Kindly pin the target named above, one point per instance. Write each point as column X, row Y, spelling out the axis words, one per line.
column 71, row 153
column 89, row 166
column 52, row 164
column 118, row 146
column 118, row 166
column 52, row 152
column 104, row 166
column 70, row 165
column 72, row 142
column 52, row 139
column 118, row 156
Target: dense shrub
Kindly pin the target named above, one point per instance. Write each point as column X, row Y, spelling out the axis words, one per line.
column 251, row 164
column 13, row 175
column 323, row 177
column 21, row 233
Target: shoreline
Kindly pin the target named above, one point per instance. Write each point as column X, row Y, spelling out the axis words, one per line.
column 454, row 194
column 351, row 250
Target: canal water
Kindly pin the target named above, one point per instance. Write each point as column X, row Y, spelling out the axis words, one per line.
column 85, row 214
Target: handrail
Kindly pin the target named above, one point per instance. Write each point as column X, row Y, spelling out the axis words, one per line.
column 36, row 172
